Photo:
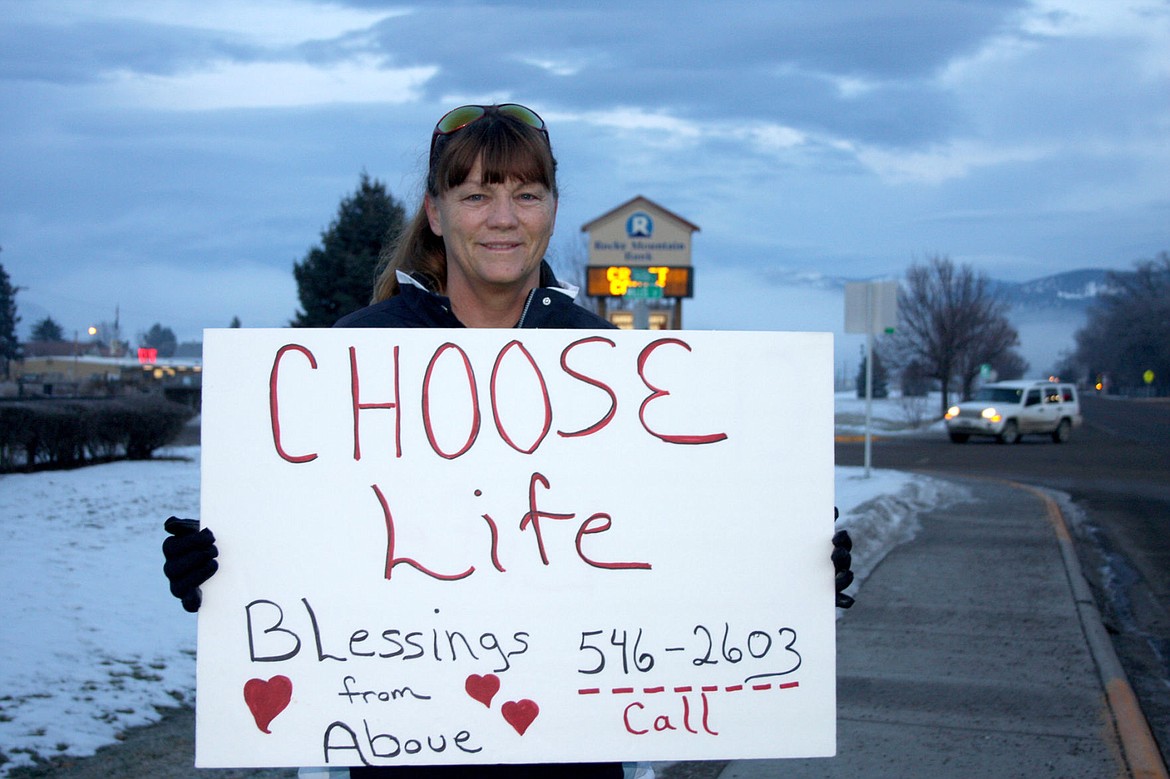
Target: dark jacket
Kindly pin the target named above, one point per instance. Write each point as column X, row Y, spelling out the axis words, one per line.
column 548, row 306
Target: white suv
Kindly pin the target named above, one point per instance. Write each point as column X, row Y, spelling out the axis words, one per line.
column 1007, row 410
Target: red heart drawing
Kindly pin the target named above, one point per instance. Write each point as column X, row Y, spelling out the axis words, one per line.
column 520, row 714
column 266, row 699
column 482, row 688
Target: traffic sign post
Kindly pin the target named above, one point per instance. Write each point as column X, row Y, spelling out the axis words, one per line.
column 870, row 308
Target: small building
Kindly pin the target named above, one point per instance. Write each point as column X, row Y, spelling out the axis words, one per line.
column 71, row 375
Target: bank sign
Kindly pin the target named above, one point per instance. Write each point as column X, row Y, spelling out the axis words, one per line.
column 640, row 234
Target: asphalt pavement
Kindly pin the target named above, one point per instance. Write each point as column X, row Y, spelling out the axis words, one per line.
column 976, row 650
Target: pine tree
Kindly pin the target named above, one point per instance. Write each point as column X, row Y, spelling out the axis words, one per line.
column 880, row 377
column 9, row 346
column 48, row 330
column 337, row 277
column 161, row 338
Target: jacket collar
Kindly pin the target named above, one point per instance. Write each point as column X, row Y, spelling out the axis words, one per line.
column 548, row 280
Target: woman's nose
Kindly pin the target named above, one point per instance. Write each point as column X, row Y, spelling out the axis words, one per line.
column 502, row 212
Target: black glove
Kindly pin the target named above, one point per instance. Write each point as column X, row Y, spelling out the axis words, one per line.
column 190, row 554
column 842, row 563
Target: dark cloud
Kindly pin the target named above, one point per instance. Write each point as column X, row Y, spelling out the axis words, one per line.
column 88, row 51
column 781, row 62
column 876, row 40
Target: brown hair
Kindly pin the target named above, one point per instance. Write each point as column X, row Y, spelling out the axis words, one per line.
column 508, row 148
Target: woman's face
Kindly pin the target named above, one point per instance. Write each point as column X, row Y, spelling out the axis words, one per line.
column 495, row 234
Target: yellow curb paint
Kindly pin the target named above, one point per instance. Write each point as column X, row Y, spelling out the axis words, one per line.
column 1137, row 741
column 1141, row 751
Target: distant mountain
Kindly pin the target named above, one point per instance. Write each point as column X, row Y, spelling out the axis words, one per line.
column 1047, row 312
column 1070, row 291
column 784, row 277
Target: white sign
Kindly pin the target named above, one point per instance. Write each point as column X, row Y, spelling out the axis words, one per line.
column 516, row 546
column 871, row 306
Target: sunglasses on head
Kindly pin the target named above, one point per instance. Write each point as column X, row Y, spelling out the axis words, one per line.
column 456, row 119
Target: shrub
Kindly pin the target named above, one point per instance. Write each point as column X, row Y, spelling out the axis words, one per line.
column 152, row 423
column 74, row 432
column 18, row 434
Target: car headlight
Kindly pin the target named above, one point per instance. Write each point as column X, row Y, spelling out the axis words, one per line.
column 952, row 412
column 991, row 414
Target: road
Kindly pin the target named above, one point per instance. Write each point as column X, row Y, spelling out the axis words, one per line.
column 1116, row 469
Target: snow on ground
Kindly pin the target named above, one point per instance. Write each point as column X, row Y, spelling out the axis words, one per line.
column 894, row 415
column 91, row 641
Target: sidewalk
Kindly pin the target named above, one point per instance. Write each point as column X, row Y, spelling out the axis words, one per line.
column 966, row 656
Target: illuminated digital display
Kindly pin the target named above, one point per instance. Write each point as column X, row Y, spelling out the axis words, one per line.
column 656, row 281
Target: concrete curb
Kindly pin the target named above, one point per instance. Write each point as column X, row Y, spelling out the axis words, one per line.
column 1137, row 741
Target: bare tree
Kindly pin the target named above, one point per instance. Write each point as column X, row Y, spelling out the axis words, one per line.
column 1128, row 332
column 570, row 261
column 991, row 344
column 950, row 323
column 571, row 264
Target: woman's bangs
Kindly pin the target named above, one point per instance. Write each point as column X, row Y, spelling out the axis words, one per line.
column 506, row 152
column 519, row 158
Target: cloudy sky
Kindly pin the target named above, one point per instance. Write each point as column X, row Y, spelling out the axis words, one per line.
column 171, row 160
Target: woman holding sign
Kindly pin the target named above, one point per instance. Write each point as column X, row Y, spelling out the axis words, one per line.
column 473, row 256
